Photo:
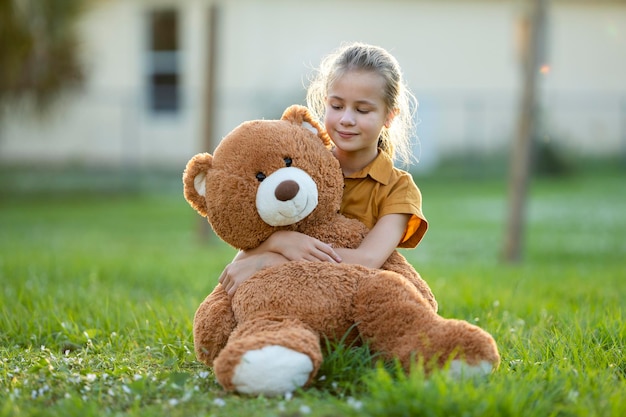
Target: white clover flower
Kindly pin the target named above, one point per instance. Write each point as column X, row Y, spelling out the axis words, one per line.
column 219, row 402
column 91, row 377
column 356, row 404
column 305, row 409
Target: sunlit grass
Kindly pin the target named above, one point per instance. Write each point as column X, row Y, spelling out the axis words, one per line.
column 99, row 290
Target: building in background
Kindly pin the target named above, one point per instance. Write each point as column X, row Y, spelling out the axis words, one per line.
column 145, row 103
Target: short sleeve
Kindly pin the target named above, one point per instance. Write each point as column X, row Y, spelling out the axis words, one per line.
column 405, row 198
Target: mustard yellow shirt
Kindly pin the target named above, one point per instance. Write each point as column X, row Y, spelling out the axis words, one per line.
column 380, row 189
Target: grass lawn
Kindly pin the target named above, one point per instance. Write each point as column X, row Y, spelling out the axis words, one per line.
column 99, row 290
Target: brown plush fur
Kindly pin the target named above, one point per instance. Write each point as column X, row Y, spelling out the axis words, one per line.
column 296, row 304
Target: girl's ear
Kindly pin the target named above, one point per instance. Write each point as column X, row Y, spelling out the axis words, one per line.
column 300, row 115
column 194, row 181
column 390, row 116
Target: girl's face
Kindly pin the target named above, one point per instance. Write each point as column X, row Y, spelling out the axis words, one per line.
column 356, row 112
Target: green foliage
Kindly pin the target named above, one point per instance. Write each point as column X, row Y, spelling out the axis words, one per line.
column 39, row 49
column 99, row 290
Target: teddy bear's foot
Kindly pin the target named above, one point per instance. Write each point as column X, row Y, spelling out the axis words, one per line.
column 271, row 370
column 269, row 356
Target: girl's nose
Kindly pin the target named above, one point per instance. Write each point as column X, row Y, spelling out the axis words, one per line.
column 347, row 119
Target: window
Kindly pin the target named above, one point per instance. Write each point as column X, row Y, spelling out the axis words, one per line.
column 163, row 65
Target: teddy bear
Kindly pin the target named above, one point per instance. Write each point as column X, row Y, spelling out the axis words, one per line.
column 269, row 175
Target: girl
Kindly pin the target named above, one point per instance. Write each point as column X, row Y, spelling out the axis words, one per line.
column 368, row 113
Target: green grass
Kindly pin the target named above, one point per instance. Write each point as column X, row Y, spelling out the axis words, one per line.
column 99, row 290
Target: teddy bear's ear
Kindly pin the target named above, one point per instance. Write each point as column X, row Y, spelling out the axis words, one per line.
column 194, row 181
column 301, row 115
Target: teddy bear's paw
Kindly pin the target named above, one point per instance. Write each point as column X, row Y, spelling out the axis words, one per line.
column 272, row 370
column 460, row 369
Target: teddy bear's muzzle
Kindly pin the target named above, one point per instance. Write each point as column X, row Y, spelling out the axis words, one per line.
column 286, row 197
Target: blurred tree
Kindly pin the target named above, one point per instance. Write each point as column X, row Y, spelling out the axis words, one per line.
column 531, row 47
column 38, row 51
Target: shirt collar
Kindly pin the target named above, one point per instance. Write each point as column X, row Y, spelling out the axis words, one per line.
column 379, row 169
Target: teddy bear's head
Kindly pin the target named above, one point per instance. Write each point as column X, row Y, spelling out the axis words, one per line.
column 266, row 175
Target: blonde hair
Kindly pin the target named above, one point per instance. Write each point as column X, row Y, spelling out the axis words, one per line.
column 395, row 141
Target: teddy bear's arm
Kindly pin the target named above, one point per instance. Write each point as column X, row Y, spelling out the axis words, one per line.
column 213, row 323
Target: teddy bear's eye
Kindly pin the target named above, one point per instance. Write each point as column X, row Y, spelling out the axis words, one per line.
column 288, row 161
column 260, row 176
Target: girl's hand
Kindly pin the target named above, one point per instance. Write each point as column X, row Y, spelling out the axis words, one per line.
column 243, row 267
column 296, row 246
column 280, row 247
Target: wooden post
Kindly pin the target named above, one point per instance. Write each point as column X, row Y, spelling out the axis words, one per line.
column 531, row 48
column 208, row 141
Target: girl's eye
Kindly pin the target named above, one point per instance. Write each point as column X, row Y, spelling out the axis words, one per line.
column 362, row 111
column 260, row 176
column 288, row 161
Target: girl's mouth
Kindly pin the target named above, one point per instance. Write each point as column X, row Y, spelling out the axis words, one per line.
column 346, row 135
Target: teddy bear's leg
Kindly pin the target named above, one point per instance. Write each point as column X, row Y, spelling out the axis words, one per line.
column 269, row 356
column 213, row 323
column 399, row 322
column 398, row 263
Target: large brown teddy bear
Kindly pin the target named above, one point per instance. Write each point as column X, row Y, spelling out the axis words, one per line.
column 269, row 175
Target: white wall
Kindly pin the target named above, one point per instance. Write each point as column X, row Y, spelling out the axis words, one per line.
column 585, row 91
column 458, row 57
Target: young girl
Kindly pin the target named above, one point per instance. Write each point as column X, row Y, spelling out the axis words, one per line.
column 368, row 113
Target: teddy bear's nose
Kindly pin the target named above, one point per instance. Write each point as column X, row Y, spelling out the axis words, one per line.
column 287, row 190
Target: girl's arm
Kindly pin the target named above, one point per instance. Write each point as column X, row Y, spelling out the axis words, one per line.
column 280, row 247
column 379, row 243
column 284, row 246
